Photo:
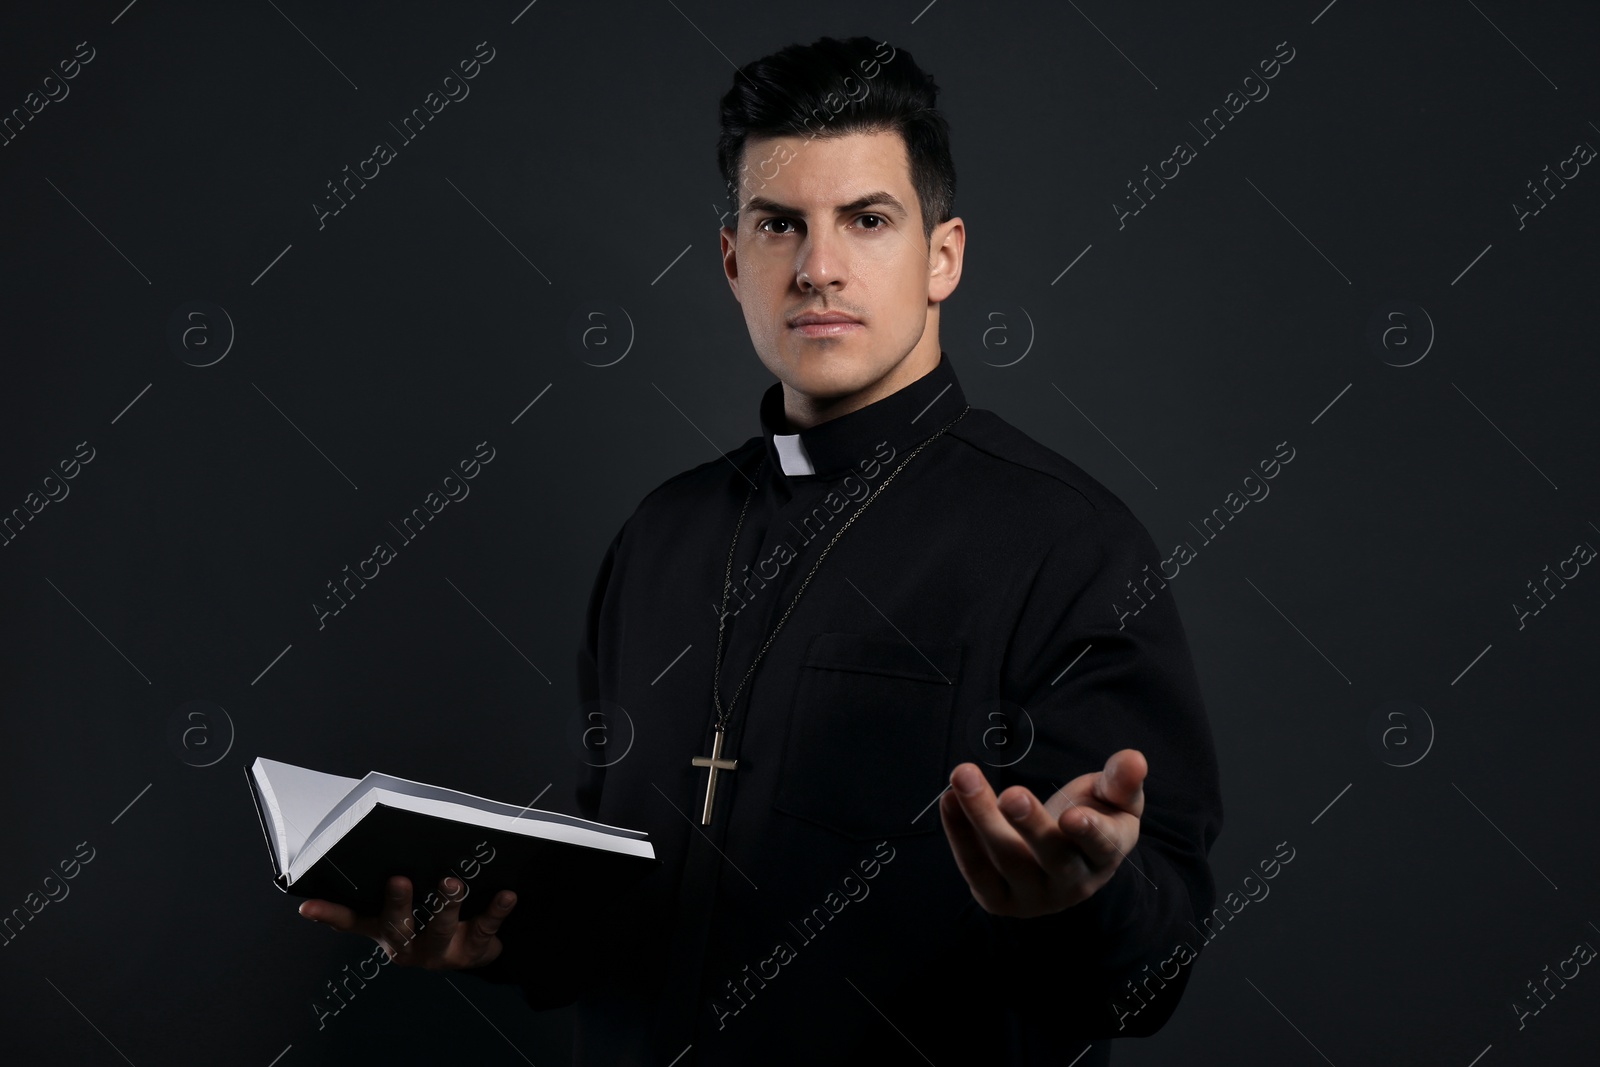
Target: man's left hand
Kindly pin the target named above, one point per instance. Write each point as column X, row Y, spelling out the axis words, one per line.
column 1022, row 858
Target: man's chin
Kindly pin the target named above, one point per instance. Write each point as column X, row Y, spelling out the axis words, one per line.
column 830, row 375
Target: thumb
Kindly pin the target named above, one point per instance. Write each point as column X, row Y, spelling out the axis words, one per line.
column 1121, row 784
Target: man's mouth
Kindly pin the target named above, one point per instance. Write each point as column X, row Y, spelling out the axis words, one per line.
column 825, row 324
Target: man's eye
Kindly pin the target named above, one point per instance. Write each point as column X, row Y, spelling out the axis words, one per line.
column 880, row 218
column 765, row 222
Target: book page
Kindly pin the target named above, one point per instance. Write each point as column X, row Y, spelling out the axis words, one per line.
column 301, row 799
column 562, row 828
column 423, row 791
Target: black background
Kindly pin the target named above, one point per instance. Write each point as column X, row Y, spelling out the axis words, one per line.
column 371, row 355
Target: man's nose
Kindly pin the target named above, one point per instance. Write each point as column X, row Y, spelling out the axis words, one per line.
column 823, row 261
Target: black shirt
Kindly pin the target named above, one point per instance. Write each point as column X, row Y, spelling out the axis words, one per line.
column 975, row 610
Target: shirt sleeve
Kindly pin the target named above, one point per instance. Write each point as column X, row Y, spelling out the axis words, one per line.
column 555, row 958
column 1100, row 662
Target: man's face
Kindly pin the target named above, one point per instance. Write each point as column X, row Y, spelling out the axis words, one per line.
column 833, row 225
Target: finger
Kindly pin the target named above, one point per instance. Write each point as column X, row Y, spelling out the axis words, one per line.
column 1121, row 784
column 481, row 931
column 330, row 914
column 1007, row 850
column 399, row 926
column 1077, row 791
column 1103, row 839
column 440, row 928
column 1040, row 830
column 972, row 859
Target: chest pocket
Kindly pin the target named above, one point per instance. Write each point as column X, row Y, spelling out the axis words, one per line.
column 869, row 734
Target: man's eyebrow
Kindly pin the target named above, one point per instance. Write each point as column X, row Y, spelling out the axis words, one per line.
column 761, row 203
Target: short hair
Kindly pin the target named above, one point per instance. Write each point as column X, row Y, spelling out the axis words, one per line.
column 830, row 88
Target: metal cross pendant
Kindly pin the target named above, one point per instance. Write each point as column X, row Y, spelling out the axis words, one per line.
column 716, row 763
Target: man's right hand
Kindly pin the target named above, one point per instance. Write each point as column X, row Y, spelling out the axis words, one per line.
column 444, row 943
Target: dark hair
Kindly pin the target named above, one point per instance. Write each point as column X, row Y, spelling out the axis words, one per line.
column 833, row 87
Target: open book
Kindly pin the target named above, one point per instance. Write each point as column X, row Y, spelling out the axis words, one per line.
column 341, row 839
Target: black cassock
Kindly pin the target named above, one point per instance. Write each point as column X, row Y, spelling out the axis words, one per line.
column 994, row 604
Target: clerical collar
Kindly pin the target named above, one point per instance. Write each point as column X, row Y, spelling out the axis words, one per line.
column 904, row 419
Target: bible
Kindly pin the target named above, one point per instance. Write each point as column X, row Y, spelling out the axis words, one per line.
column 341, row 839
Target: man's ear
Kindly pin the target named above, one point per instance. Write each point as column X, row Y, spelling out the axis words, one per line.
column 730, row 260
column 946, row 247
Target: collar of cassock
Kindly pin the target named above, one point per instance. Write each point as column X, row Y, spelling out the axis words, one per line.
column 904, row 418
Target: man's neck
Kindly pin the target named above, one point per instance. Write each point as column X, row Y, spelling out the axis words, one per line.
column 802, row 411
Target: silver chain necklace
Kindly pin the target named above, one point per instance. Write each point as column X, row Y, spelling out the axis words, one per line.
column 715, row 762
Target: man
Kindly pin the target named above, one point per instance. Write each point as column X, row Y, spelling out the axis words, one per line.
column 906, row 594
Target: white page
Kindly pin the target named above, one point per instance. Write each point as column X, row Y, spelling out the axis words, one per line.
column 422, row 790
column 568, row 829
column 300, row 799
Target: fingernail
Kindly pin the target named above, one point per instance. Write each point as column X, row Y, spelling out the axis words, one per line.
column 1016, row 805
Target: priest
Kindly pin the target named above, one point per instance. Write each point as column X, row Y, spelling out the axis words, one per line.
column 923, row 790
